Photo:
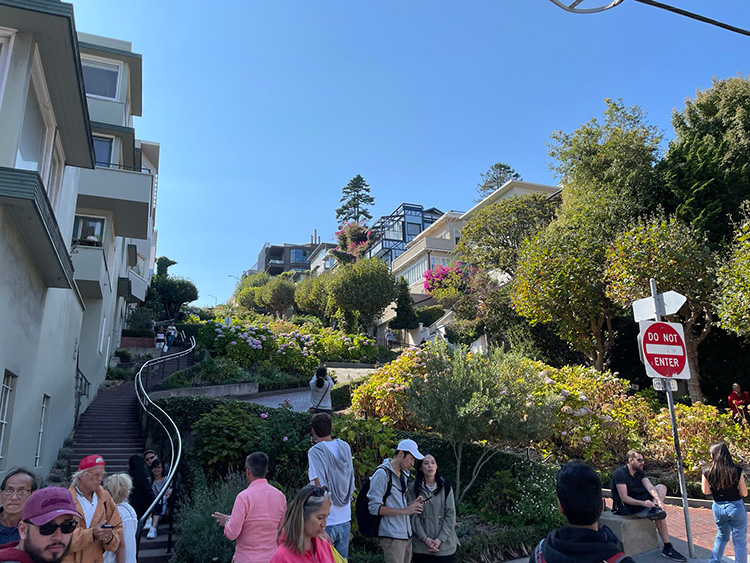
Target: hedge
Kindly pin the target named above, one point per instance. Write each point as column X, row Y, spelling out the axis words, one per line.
column 138, row 333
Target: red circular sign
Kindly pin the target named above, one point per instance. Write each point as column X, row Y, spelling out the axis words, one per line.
column 664, row 349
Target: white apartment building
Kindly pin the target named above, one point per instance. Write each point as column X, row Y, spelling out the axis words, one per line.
column 76, row 232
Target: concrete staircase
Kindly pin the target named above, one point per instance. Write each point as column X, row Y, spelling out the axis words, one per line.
column 110, row 427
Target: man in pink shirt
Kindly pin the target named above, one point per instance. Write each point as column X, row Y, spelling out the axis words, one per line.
column 257, row 515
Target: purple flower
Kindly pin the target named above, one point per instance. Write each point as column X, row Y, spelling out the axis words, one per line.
column 284, row 439
column 264, row 415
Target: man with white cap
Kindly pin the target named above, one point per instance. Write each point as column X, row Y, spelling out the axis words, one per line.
column 100, row 529
column 46, row 528
column 394, row 533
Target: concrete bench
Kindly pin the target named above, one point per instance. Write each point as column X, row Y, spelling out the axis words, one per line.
column 636, row 535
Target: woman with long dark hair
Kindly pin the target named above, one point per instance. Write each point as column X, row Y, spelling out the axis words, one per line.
column 320, row 392
column 434, row 538
column 724, row 480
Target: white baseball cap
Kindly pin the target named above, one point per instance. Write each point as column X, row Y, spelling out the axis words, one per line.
column 411, row 447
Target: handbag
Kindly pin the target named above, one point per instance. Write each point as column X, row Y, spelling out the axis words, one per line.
column 312, row 410
column 337, row 556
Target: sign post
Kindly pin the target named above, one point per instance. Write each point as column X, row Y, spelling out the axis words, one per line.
column 663, row 351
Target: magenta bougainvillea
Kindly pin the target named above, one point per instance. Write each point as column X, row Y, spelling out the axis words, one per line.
column 353, row 240
column 439, row 276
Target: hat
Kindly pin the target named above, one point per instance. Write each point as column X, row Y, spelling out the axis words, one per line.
column 411, row 447
column 47, row 504
column 90, row 461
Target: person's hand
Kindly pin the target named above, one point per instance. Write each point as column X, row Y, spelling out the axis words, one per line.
column 221, row 519
column 429, row 543
column 648, row 504
column 416, row 506
column 103, row 534
column 436, row 544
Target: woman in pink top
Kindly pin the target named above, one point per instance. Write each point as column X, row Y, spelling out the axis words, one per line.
column 304, row 522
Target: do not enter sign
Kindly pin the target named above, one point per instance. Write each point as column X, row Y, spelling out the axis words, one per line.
column 663, row 350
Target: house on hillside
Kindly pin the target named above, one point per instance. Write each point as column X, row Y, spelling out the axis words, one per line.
column 77, row 204
column 391, row 233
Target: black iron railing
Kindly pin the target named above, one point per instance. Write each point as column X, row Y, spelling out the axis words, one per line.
column 83, row 385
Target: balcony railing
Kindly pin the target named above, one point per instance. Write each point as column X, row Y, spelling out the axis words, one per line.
column 123, row 167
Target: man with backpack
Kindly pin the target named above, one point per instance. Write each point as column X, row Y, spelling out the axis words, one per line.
column 579, row 496
column 386, row 500
column 331, row 466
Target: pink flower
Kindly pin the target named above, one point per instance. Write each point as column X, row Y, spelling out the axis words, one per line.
column 264, row 415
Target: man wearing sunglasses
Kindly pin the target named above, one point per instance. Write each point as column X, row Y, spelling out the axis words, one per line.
column 46, row 528
column 634, row 495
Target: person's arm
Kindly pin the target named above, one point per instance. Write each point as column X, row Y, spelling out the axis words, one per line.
column 378, row 484
column 233, row 525
column 449, row 519
column 622, row 490
column 416, row 522
column 112, row 514
column 652, row 491
column 742, row 486
column 120, row 554
column 705, row 486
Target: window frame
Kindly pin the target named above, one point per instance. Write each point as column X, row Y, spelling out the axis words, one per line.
column 111, row 140
column 83, row 242
column 7, row 39
column 42, row 428
column 101, row 62
column 7, row 389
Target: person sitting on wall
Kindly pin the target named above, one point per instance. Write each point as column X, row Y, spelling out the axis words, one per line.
column 739, row 402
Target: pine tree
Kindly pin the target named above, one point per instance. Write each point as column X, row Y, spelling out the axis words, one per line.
column 355, row 197
column 497, row 175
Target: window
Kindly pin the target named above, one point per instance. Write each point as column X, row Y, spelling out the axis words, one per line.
column 415, row 273
column 6, row 410
column 88, row 231
column 101, row 336
column 297, row 255
column 6, row 41
column 395, row 230
column 31, row 148
column 435, row 262
column 40, row 436
column 101, row 79
column 412, row 230
column 54, row 184
column 103, row 151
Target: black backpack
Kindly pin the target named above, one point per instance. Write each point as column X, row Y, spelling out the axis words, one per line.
column 369, row 524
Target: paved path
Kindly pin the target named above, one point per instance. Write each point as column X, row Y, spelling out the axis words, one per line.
column 300, row 398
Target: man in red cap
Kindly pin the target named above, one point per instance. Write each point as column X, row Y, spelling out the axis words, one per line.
column 46, row 528
column 101, row 527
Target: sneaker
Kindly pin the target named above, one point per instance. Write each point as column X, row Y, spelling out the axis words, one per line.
column 656, row 514
column 148, row 523
column 152, row 534
column 672, row 554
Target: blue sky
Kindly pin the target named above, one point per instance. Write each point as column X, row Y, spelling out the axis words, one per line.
column 264, row 110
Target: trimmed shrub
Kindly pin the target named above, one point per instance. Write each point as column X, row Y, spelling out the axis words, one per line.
column 428, row 315
column 341, row 394
column 126, row 356
column 207, row 372
column 138, row 333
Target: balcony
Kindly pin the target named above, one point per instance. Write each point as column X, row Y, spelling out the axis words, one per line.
column 91, row 272
column 132, row 287
column 24, row 198
column 127, row 194
column 441, row 246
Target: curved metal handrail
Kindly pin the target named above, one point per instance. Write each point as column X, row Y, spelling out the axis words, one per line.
column 148, row 405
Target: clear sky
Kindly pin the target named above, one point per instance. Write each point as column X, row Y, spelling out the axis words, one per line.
column 265, row 109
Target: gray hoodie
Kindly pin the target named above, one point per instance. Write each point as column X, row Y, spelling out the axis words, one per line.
column 337, row 470
column 397, row 527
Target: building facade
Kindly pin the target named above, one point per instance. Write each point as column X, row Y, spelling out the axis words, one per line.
column 391, row 233
column 76, row 237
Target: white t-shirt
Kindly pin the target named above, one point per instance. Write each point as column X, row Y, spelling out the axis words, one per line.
column 320, row 397
column 338, row 514
column 129, row 527
column 88, row 507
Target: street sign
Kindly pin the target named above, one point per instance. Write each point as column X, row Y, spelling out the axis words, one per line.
column 660, row 384
column 646, row 308
column 663, row 350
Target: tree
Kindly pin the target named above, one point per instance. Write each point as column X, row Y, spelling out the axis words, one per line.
column 733, row 303
column 406, row 317
column 356, row 198
column 469, row 398
column 679, row 259
column 248, row 298
column 706, row 167
column 497, row 176
column 353, row 241
column 362, row 291
column 173, row 292
column 277, row 295
column 311, row 295
column 492, row 238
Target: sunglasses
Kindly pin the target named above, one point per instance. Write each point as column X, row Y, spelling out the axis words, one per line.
column 49, row 528
column 316, row 492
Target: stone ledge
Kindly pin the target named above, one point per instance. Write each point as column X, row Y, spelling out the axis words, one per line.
column 636, row 535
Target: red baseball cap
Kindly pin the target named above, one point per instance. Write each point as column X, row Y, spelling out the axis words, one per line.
column 91, row 461
column 47, row 504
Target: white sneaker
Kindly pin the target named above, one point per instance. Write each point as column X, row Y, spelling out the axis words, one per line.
column 148, row 523
column 151, row 533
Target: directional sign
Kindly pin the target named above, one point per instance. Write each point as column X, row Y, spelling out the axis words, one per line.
column 663, row 350
column 646, row 308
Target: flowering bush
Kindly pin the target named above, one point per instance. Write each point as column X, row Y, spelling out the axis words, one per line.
column 353, row 241
column 446, row 283
column 383, row 396
column 335, row 345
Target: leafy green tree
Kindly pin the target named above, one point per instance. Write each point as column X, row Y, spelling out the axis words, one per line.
column 361, row 290
column 406, row 317
column 734, row 282
column 355, row 199
column 277, row 295
column 311, row 295
column 492, row 238
column 247, row 298
column 679, row 259
column 469, row 398
column 173, row 292
column 353, row 241
column 496, row 176
column 706, row 167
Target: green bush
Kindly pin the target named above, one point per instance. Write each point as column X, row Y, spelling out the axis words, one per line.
column 496, row 544
column 190, row 329
column 201, row 539
column 119, row 374
column 224, row 437
column 463, row 331
column 142, row 318
column 126, row 356
column 207, row 372
column 139, row 333
column 311, row 320
column 341, row 394
column 428, row 315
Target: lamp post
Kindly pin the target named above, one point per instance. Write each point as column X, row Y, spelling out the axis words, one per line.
column 235, row 277
column 216, row 299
